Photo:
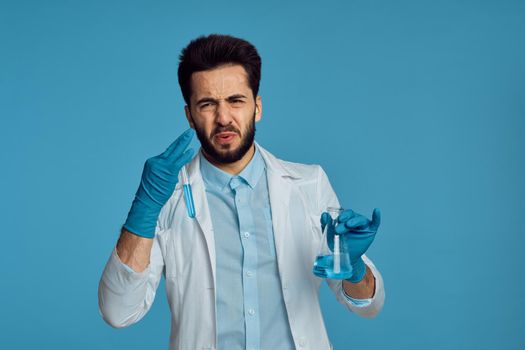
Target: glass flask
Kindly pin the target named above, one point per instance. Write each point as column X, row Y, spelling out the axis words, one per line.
column 333, row 260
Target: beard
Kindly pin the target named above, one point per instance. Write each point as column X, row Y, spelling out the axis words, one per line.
column 225, row 154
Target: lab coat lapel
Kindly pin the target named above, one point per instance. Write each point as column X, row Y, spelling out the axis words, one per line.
column 202, row 211
column 279, row 191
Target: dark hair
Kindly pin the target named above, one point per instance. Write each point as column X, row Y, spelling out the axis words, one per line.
column 212, row 51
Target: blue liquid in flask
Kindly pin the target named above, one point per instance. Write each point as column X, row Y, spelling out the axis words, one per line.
column 324, row 267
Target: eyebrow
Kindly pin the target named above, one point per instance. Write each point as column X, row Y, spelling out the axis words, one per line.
column 210, row 99
column 234, row 97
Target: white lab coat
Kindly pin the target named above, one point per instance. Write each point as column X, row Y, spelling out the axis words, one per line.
column 184, row 252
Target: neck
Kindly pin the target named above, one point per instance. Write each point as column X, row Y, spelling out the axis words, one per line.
column 236, row 167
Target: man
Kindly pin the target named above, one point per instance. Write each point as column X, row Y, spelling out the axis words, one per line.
column 239, row 274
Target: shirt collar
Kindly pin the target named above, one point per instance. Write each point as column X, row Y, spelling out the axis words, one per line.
column 220, row 179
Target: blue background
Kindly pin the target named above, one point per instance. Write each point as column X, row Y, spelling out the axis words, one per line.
column 416, row 107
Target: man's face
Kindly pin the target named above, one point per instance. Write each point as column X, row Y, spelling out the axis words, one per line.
column 223, row 112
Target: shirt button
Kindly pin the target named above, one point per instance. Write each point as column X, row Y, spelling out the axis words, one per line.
column 249, row 273
column 246, row 234
column 251, row 312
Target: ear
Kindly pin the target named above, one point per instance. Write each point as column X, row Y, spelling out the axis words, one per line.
column 188, row 116
column 258, row 108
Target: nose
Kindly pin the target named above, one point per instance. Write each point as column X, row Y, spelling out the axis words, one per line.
column 222, row 114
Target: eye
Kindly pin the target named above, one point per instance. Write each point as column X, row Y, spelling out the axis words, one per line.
column 237, row 101
column 206, row 106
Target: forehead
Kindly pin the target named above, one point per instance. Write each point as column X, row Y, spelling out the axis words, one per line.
column 220, row 82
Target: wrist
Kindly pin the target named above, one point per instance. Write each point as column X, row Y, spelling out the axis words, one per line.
column 365, row 289
column 134, row 251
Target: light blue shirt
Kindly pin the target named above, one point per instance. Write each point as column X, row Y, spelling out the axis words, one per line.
column 251, row 313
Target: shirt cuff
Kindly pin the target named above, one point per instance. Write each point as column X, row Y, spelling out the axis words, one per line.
column 129, row 269
column 357, row 302
column 121, row 266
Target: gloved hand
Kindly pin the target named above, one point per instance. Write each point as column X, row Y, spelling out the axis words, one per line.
column 357, row 234
column 159, row 177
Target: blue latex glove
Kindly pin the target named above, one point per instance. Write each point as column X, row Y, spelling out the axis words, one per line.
column 159, row 177
column 357, row 234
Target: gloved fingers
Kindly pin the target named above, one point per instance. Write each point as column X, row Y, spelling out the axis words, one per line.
column 179, row 144
column 340, row 229
column 376, row 219
column 357, row 222
column 184, row 158
column 325, row 218
column 345, row 215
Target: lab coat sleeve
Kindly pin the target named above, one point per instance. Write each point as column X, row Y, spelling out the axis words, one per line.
column 124, row 295
column 327, row 197
column 369, row 310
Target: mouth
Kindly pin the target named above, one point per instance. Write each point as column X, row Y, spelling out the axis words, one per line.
column 225, row 137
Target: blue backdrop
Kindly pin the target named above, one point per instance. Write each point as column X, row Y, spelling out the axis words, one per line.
column 415, row 107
